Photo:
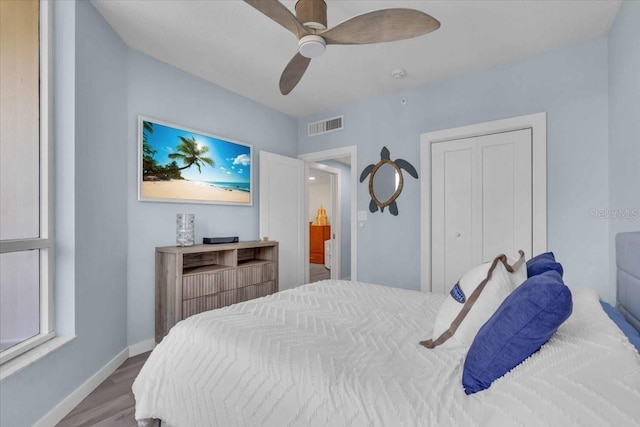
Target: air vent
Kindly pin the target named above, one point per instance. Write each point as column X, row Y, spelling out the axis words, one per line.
column 325, row 126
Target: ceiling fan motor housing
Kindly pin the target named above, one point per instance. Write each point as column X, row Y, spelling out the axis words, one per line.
column 311, row 46
column 312, row 13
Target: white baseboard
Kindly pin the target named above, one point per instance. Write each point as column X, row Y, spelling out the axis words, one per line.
column 141, row 347
column 55, row 415
column 62, row 409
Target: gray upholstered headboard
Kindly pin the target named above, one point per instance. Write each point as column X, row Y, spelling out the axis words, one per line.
column 628, row 276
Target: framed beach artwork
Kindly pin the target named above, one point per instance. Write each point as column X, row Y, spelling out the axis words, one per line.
column 182, row 165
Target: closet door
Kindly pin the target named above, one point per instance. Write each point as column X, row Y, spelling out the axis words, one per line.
column 481, row 201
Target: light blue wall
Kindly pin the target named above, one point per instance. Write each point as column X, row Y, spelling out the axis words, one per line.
column 91, row 248
column 164, row 92
column 624, row 123
column 106, row 238
column 570, row 84
column 101, row 180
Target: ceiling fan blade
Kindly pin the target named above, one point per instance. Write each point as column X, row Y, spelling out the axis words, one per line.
column 279, row 13
column 293, row 72
column 384, row 25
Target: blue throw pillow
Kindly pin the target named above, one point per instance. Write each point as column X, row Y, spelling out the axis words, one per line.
column 525, row 320
column 541, row 263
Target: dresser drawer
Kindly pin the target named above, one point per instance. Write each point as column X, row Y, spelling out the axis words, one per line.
column 256, row 291
column 253, row 274
column 198, row 285
column 208, row 302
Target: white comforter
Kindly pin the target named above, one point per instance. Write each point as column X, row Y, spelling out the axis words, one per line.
column 340, row 353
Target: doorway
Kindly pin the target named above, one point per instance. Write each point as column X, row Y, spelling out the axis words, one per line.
column 343, row 258
column 284, row 216
column 324, row 209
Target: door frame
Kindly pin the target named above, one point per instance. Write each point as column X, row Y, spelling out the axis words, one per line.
column 336, row 212
column 538, row 124
column 331, row 154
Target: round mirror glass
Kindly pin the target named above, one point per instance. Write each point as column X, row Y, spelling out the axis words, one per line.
column 385, row 182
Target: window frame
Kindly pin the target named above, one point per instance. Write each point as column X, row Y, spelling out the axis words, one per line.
column 45, row 242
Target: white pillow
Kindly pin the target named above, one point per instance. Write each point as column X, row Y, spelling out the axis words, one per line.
column 519, row 266
column 497, row 288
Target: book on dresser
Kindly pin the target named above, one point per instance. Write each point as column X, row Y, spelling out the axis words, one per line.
column 193, row 279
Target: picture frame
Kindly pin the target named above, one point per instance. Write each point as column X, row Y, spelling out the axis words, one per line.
column 177, row 164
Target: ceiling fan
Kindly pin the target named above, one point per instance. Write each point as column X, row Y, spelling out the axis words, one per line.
column 309, row 25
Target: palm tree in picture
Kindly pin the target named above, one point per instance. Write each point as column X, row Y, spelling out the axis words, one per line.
column 192, row 154
column 149, row 163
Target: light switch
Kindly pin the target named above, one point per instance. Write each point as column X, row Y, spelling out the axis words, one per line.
column 362, row 215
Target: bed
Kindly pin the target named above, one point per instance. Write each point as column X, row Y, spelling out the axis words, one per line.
column 338, row 353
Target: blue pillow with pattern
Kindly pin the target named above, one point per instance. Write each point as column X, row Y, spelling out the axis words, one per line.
column 525, row 320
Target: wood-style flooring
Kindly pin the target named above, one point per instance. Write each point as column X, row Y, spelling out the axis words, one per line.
column 318, row 272
column 111, row 404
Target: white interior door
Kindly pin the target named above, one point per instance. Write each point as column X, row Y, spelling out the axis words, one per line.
column 481, row 202
column 282, row 213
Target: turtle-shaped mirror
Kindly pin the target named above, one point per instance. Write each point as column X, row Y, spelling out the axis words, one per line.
column 386, row 181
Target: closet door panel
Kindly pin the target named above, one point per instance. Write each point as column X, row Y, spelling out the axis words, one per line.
column 505, row 163
column 452, row 193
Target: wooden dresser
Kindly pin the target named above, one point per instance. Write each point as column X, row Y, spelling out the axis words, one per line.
column 317, row 235
column 193, row 279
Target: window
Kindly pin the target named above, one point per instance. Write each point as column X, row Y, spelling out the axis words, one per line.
column 26, row 178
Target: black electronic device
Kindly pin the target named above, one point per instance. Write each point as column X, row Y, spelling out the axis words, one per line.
column 217, row 240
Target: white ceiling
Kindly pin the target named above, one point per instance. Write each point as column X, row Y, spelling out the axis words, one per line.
column 234, row 46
